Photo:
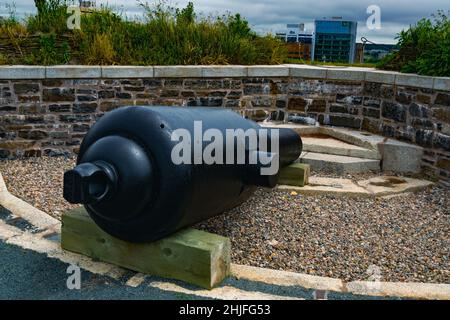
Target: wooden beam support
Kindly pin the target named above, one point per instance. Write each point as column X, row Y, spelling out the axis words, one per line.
column 190, row 255
column 297, row 174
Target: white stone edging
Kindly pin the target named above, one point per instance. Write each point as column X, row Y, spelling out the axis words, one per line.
column 19, row 72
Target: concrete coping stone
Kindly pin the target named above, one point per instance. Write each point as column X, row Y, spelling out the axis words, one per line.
column 19, row 72
column 125, row 72
column 73, row 72
column 178, row 72
column 227, row 71
column 414, row 80
column 22, row 72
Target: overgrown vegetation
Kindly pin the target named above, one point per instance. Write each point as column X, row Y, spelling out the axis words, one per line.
column 163, row 36
column 424, row 48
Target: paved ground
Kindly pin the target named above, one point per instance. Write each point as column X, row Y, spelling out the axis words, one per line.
column 26, row 274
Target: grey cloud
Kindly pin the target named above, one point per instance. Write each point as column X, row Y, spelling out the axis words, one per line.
column 268, row 16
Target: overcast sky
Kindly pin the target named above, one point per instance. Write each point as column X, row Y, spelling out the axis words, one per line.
column 272, row 15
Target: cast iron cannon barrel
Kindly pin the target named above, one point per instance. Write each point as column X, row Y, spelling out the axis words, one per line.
column 131, row 186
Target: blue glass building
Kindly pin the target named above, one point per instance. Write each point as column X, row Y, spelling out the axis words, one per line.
column 334, row 40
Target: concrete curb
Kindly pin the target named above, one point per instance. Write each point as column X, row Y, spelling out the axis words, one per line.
column 412, row 290
column 224, row 71
column 36, row 242
column 285, row 278
column 429, row 291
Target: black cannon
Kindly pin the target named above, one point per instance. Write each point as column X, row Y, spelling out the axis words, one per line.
column 132, row 187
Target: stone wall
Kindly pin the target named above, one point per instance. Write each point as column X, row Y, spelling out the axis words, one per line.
column 47, row 110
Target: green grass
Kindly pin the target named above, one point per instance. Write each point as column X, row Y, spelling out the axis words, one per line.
column 162, row 36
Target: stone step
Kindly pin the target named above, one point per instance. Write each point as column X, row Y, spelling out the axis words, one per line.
column 330, row 145
column 338, row 164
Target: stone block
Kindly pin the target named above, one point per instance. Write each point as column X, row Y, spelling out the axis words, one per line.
column 58, row 95
column 298, row 104
column 26, row 88
column 394, row 111
column 442, row 99
column 400, row 157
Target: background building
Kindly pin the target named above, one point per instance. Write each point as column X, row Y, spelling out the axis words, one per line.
column 298, row 41
column 372, row 53
column 334, row 40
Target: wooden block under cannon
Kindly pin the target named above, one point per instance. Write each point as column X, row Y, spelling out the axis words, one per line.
column 297, row 174
column 190, row 255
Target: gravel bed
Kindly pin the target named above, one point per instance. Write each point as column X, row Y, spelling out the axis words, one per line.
column 38, row 181
column 405, row 237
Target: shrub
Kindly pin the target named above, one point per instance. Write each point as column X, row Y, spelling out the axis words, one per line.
column 3, row 59
column 424, row 48
column 101, row 51
column 50, row 51
column 51, row 17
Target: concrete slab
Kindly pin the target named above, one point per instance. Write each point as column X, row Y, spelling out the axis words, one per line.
column 329, row 145
column 329, row 186
column 338, row 164
column 355, row 137
column 359, row 138
column 389, row 185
